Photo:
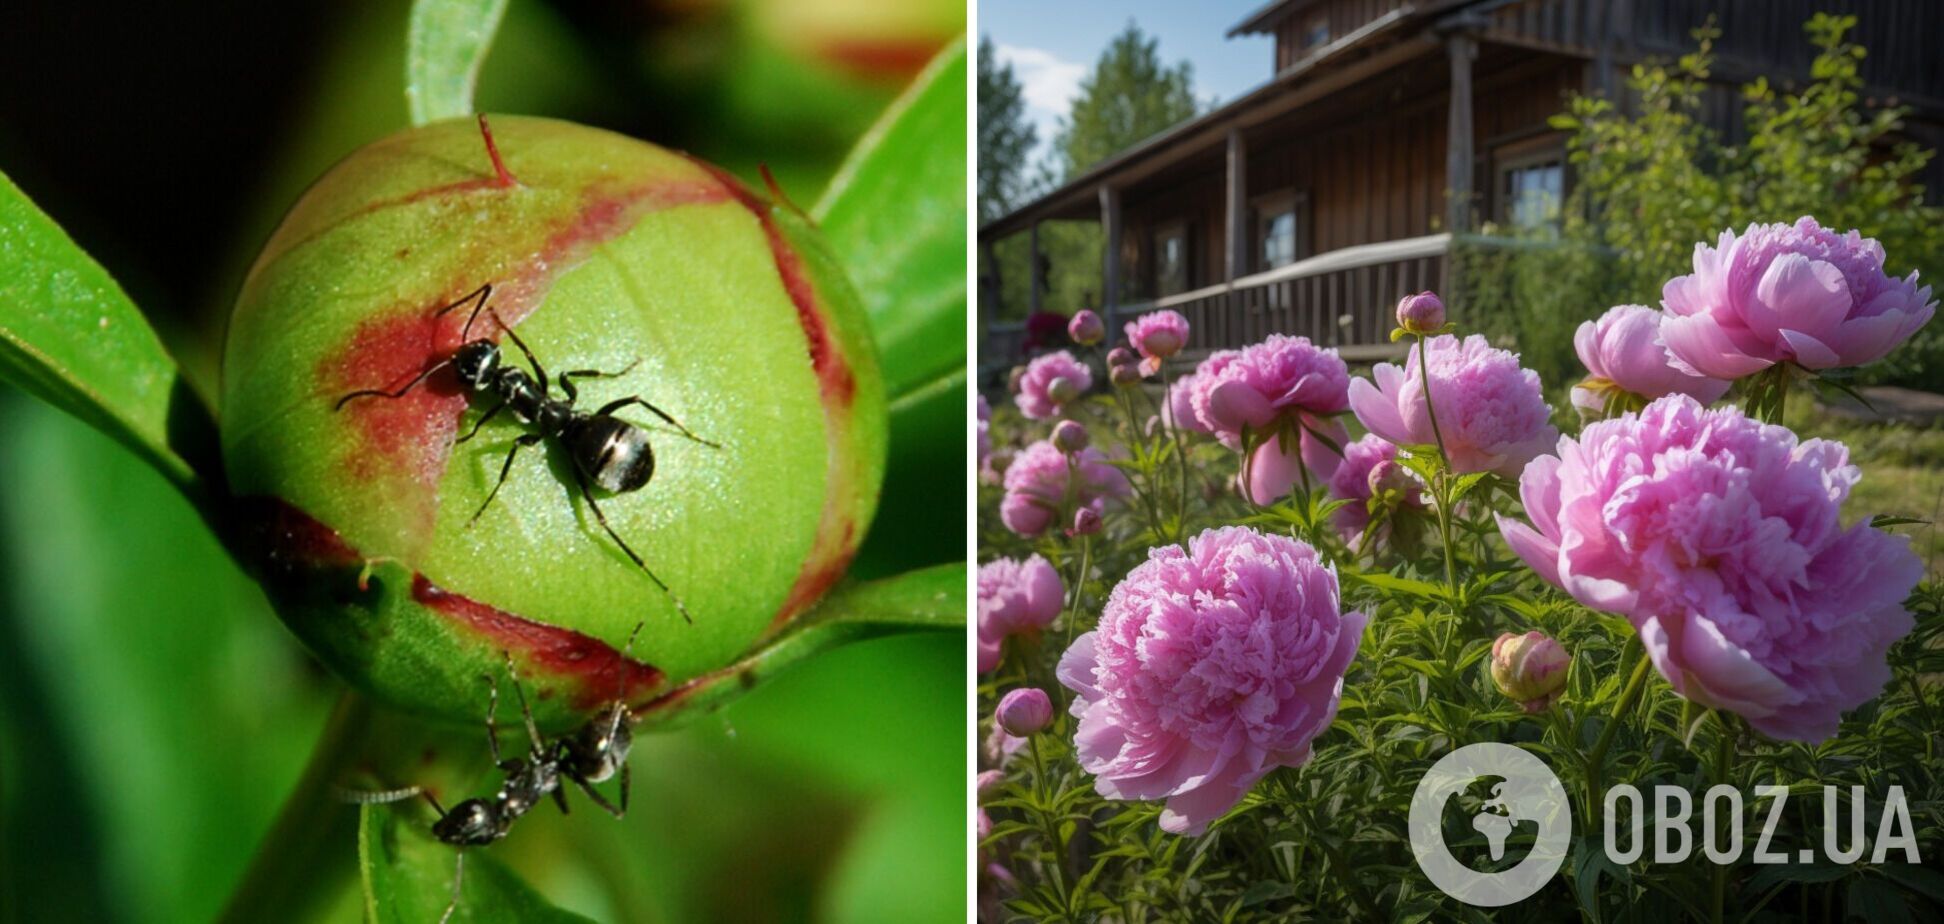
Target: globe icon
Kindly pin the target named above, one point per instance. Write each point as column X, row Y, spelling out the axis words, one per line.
column 1526, row 792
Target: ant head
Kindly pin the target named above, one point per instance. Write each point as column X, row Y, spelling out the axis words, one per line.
column 475, row 362
column 471, row 822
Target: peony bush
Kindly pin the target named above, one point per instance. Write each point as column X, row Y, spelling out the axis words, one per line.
column 1292, row 585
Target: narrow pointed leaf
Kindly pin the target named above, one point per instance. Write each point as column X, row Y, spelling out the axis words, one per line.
column 444, row 47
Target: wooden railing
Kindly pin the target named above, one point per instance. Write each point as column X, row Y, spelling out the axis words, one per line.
column 1345, row 299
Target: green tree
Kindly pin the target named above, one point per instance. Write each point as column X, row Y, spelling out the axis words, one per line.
column 1130, row 96
column 1654, row 182
column 1005, row 137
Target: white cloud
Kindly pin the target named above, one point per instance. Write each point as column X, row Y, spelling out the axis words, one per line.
column 1048, row 85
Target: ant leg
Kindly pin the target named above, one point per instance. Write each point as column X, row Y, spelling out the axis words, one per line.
column 620, row 403
column 530, row 439
column 436, row 807
column 566, row 379
column 581, row 481
column 374, row 796
column 397, row 393
column 492, row 711
column 458, row 876
column 599, row 799
column 526, row 712
column 560, row 799
column 626, row 781
column 538, row 372
column 489, row 415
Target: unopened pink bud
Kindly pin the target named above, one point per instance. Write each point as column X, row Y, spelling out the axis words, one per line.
column 1086, row 328
column 1530, row 668
column 1024, row 712
column 1069, row 436
column 1086, row 522
column 1423, row 313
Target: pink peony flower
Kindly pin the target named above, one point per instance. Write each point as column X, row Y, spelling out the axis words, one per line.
column 1789, row 293
column 999, row 747
column 1352, row 482
column 1623, row 350
column 1491, row 411
column 1211, row 666
column 1158, row 335
column 1179, row 410
column 1050, row 383
column 1286, row 387
column 1036, row 486
column 1719, row 538
column 1014, row 597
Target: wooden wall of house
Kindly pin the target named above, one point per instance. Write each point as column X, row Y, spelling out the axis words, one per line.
column 1374, row 173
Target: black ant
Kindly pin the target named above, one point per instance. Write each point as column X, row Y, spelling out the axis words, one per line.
column 610, row 452
column 593, row 754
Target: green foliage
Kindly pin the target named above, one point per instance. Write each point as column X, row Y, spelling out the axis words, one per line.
column 152, row 715
column 1654, row 180
column 1005, row 137
column 444, row 49
column 71, row 337
column 408, row 876
column 1328, row 841
column 1130, row 96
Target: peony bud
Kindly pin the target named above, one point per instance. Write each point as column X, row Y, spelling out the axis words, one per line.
column 1014, row 378
column 1122, row 356
column 1069, row 436
column 1086, row 328
column 1124, row 376
column 1423, row 313
column 988, row 781
column 378, row 545
column 1024, row 712
column 1062, row 390
column 1391, row 483
column 1158, row 334
column 1086, row 522
column 1530, row 668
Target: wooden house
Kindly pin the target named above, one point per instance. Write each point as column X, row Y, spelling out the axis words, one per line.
column 1310, row 204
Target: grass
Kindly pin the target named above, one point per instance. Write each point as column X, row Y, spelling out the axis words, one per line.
column 1903, row 472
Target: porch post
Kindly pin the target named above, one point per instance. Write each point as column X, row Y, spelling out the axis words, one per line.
column 1036, row 276
column 1459, row 136
column 1238, row 206
column 993, row 302
column 1110, row 224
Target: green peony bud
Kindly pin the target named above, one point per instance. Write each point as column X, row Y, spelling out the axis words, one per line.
column 726, row 310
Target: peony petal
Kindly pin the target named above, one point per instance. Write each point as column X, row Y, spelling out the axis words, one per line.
column 1376, row 409
column 1272, row 473
column 1233, row 405
column 1698, row 345
column 1538, row 551
column 1810, row 352
column 1799, row 294
column 1076, row 670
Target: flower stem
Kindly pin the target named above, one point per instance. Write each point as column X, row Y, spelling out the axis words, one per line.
column 1147, row 496
column 1723, row 766
column 1424, row 376
column 1596, row 758
column 1172, row 428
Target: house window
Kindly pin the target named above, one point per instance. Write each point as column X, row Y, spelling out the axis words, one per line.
column 1315, row 31
column 1532, row 189
column 1171, row 259
column 1278, row 230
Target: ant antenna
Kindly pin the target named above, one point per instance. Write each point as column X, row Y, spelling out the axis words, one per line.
column 481, row 295
column 506, row 179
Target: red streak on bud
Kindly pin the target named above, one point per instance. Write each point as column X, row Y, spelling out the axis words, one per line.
column 492, row 152
column 289, row 538
column 833, row 373
column 602, row 675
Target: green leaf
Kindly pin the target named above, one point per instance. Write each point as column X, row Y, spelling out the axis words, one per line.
column 408, row 875
column 69, row 336
column 927, row 598
column 444, row 47
column 895, row 214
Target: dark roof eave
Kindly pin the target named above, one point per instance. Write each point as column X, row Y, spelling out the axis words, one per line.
column 1264, row 18
column 1019, row 218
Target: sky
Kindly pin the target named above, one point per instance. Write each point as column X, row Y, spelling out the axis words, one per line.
column 1053, row 44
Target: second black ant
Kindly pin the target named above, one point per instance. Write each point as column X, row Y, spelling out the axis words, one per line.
column 607, row 452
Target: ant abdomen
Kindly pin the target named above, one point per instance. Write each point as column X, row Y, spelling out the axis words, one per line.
column 611, row 452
